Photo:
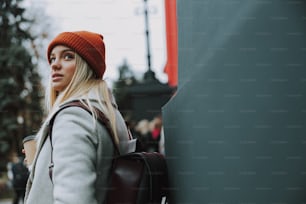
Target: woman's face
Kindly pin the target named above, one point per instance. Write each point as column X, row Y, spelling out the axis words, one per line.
column 62, row 62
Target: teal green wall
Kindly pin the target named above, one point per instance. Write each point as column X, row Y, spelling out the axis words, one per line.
column 235, row 130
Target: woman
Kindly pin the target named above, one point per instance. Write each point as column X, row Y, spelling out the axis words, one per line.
column 82, row 148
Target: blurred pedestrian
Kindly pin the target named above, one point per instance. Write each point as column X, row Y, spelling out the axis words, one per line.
column 155, row 130
column 143, row 134
column 19, row 175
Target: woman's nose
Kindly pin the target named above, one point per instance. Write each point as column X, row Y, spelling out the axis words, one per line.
column 55, row 65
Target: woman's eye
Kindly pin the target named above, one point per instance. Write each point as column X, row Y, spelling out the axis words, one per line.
column 52, row 59
column 69, row 56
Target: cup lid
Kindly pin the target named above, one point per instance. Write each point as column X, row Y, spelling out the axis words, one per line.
column 28, row 138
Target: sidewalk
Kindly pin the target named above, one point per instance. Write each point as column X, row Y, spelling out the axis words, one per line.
column 5, row 201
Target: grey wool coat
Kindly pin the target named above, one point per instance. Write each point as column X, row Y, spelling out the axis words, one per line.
column 82, row 153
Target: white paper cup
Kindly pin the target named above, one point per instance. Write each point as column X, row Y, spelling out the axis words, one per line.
column 29, row 145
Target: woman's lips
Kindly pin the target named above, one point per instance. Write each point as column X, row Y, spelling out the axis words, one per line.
column 56, row 77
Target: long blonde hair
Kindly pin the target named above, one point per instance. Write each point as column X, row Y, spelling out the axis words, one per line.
column 83, row 81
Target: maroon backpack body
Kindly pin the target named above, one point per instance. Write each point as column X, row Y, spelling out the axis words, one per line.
column 137, row 177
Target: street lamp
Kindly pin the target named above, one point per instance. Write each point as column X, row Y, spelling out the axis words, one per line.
column 149, row 74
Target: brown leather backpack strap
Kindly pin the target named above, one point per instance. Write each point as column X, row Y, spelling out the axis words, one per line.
column 100, row 116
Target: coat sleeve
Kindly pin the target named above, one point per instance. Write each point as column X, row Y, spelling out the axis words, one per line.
column 74, row 156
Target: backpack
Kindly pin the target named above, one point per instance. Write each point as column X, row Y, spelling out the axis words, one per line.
column 137, row 177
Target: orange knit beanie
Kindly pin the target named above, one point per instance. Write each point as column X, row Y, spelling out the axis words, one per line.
column 88, row 45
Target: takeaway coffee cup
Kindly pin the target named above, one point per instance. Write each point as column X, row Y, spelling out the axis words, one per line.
column 29, row 145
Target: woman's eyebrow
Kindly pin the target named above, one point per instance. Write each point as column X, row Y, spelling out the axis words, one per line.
column 62, row 51
column 67, row 50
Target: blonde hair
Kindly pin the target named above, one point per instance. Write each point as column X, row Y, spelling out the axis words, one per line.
column 83, row 81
